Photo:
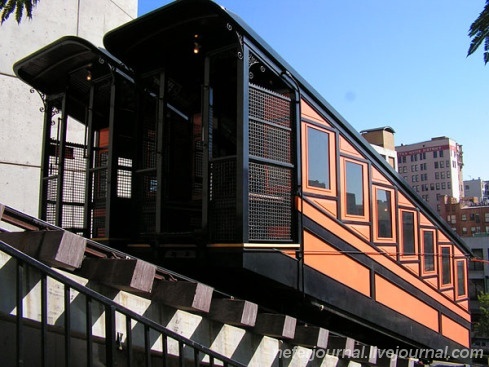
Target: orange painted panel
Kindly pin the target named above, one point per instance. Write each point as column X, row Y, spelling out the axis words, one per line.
column 402, row 200
column 423, row 221
column 455, row 331
column 346, row 147
column 390, row 250
column 389, row 263
column 442, row 238
column 310, row 113
column 104, row 138
column 457, row 252
column 448, row 293
column 290, row 253
column 433, row 281
column 464, row 304
column 413, row 267
column 395, row 298
column 379, row 177
column 327, row 260
column 362, row 230
column 329, row 205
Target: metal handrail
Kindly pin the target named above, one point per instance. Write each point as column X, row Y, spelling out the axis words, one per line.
column 110, row 308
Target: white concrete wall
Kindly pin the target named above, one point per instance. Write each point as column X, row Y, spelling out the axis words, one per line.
column 20, row 118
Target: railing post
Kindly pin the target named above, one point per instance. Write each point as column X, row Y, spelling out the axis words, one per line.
column 129, row 341
column 20, row 312
column 44, row 319
column 109, row 335
column 88, row 310
column 147, row 347
column 67, row 309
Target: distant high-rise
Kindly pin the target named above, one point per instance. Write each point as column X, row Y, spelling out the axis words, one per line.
column 433, row 168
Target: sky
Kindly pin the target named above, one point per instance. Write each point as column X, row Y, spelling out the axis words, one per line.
column 399, row 63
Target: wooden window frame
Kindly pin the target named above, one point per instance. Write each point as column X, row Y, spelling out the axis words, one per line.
column 377, row 238
column 414, row 255
column 440, row 266
column 331, row 191
column 423, row 253
column 457, row 284
column 365, row 186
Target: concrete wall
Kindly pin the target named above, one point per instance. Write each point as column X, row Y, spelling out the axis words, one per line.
column 20, row 117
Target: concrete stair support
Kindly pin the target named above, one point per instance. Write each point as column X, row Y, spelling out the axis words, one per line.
column 184, row 295
column 234, row 312
column 124, row 274
column 59, row 249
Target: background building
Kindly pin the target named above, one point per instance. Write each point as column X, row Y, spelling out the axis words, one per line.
column 382, row 140
column 477, row 188
column 20, row 118
column 433, row 168
column 470, row 219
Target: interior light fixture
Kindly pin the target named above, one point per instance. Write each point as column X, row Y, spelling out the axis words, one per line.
column 197, row 45
column 89, row 75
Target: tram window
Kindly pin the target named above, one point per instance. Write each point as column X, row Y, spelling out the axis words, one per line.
column 461, row 291
column 354, row 189
column 408, row 239
column 428, row 251
column 318, row 158
column 446, row 266
column 384, row 213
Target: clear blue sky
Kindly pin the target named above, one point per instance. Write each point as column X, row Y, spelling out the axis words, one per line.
column 399, row 63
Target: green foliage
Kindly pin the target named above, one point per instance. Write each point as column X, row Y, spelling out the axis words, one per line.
column 7, row 7
column 482, row 327
column 479, row 32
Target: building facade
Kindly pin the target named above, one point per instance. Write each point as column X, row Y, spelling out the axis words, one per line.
column 433, row 168
column 21, row 137
column 470, row 219
column 477, row 188
column 382, row 140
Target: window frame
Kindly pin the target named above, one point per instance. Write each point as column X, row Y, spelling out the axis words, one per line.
column 449, row 284
column 424, row 271
column 402, row 253
column 331, row 191
column 377, row 237
column 464, row 295
column 365, row 186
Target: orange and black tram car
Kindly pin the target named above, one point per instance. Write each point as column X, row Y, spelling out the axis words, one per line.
column 189, row 142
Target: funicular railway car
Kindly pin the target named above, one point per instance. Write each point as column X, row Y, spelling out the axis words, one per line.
column 191, row 143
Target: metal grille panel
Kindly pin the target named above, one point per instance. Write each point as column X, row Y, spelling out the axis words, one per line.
column 269, row 106
column 74, row 186
column 222, row 200
column 270, row 202
column 147, row 214
column 270, row 184
column 269, row 142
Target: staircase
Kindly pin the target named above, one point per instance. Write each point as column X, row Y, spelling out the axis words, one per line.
column 69, row 301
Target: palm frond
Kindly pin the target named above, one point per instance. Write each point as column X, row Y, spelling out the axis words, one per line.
column 479, row 32
column 18, row 12
column 8, row 7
